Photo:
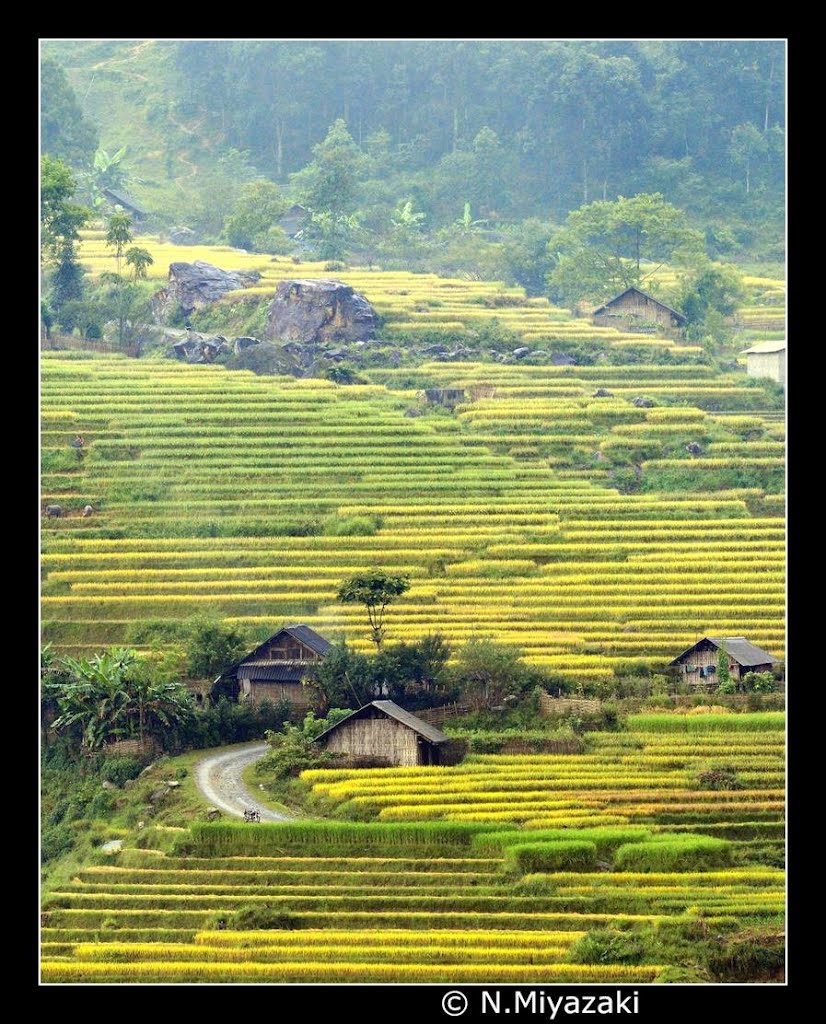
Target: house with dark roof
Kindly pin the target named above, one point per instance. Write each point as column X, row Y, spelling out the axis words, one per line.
column 699, row 663
column 275, row 669
column 636, row 310
column 133, row 208
column 383, row 730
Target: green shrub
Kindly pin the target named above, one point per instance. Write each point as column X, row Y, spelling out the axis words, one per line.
column 718, row 778
column 608, row 946
column 55, row 841
column 570, row 855
column 674, row 853
column 257, row 918
column 118, row 770
column 757, row 954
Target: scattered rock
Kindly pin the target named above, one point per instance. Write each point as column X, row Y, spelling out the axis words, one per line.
column 157, row 795
column 602, row 393
column 87, row 511
column 642, row 403
column 146, row 770
column 53, row 511
column 693, row 448
column 192, row 286
column 560, row 359
column 112, row 846
column 107, row 785
column 411, row 413
column 182, row 236
column 213, row 814
column 539, row 352
column 172, row 784
column 200, row 349
column 243, row 343
column 141, row 824
column 520, row 353
column 319, row 312
column 129, row 784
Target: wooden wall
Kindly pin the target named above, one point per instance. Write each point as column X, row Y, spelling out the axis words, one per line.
column 275, row 692
column 378, row 737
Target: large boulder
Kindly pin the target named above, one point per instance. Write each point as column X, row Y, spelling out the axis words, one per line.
column 182, row 236
column 318, row 313
column 192, row 286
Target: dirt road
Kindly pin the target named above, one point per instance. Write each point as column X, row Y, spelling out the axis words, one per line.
column 219, row 778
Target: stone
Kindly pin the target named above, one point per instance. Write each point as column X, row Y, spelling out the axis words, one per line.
column 213, row 814
column 560, row 359
column 539, row 352
column 642, row 403
column 106, row 784
column 411, row 413
column 192, row 286
column 240, row 344
column 182, row 236
column 602, row 393
column 693, row 448
column 320, row 312
column 53, row 511
column 172, row 784
column 157, row 795
column 113, row 846
column 520, row 353
column 200, row 349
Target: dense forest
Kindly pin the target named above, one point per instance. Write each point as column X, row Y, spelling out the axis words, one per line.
column 504, row 131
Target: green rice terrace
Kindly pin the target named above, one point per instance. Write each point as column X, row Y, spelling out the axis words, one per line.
column 610, row 865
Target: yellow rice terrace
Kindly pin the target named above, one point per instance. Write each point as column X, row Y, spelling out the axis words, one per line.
column 599, row 866
column 513, row 516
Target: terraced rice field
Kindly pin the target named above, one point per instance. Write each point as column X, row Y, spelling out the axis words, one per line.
column 490, row 871
column 409, row 303
column 255, row 496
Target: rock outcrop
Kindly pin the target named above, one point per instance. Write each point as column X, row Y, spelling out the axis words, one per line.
column 192, row 286
column 200, row 349
column 319, row 312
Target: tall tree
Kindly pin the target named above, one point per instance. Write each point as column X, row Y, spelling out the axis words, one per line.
column 60, row 224
column 603, row 245
column 375, row 589
column 65, row 133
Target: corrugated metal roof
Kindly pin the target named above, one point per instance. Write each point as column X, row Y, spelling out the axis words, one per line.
column 766, row 346
column 273, row 671
column 738, row 648
column 299, row 632
column 680, row 316
column 392, row 710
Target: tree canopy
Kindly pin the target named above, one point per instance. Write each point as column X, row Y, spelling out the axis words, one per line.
column 375, row 589
column 606, row 247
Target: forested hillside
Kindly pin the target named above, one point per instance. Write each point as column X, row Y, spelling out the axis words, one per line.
column 517, row 130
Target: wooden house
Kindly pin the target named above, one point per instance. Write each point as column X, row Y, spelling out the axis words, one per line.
column 292, row 221
column 767, row 359
column 134, row 209
column 275, row 669
column 382, row 729
column 636, row 310
column 699, row 663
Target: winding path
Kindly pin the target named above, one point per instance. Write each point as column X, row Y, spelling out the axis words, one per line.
column 219, row 778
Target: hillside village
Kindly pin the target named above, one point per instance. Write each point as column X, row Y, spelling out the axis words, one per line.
column 412, row 527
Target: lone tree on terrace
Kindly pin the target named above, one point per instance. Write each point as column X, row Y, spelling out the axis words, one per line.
column 375, row 589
